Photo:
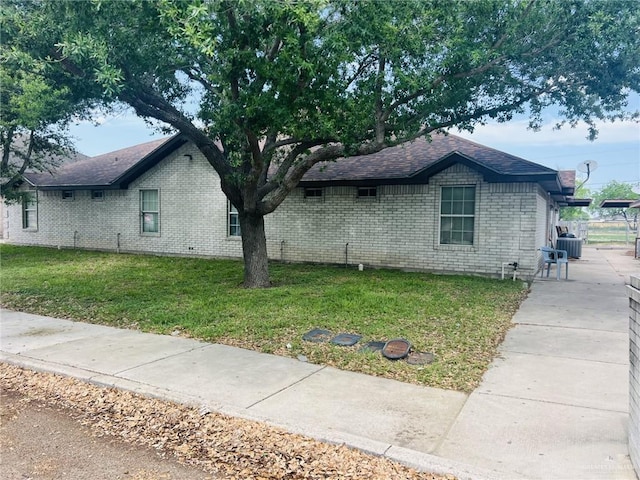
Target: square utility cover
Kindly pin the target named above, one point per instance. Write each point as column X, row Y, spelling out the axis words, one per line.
column 373, row 346
column 346, row 339
column 317, row 335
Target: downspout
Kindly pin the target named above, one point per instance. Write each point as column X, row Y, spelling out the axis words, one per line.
column 117, row 243
column 282, row 251
column 75, row 239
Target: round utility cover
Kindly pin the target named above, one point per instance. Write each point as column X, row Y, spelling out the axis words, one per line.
column 396, row 349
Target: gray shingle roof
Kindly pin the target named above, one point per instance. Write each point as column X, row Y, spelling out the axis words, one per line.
column 412, row 162
column 410, row 159
column 109, row 170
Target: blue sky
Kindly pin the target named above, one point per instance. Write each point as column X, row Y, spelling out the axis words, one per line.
column 616, row 150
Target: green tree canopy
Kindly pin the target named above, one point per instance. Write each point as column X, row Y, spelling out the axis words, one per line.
column 36, row 107
column 266, row 89
column 615, row 190
column 577, row 213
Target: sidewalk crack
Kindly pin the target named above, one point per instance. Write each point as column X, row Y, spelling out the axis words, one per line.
column 300, row 380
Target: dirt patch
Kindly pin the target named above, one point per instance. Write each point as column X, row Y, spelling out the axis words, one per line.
column 224, row 447
column 40, row 442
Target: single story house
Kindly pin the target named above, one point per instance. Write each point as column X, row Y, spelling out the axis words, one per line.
column 445, row 205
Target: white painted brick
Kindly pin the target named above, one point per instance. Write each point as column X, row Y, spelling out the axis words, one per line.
column 398, row 229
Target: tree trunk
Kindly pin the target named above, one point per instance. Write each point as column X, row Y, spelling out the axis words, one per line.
column 254, row 251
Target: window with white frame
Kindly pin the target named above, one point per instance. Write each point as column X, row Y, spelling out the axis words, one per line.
column 367, row 192
column 149, row 211
column 67, row 195
column 234, row 221
column 97, row 195
column 457, row 215
column 313, row 193
column 30, row 211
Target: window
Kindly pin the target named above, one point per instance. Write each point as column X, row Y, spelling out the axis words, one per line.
column 312, row 193
column 150, row 211
column 30, row 212
column 234, row 221
column 67, row 195
column 457, row 215
column 97, row 195
column 367, row 192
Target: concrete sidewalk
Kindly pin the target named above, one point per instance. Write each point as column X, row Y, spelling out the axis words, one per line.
column 554, row 405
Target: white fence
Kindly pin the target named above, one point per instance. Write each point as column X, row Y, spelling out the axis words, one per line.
column 611, row 232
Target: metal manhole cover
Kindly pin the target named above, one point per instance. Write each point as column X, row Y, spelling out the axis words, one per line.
column 373, row 346
column 317, row 335
column 396, row 349
column 346, row 339
column 420, row 358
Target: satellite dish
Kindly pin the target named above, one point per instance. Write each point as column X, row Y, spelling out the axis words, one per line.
column 588, row 166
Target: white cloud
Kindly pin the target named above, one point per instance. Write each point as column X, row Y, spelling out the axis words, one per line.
column 517, row 133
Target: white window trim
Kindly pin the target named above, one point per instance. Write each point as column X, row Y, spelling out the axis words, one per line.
column 313, row 198
column 231, row 210
column 97, row 199
column 440, row 215
column 368, row 198
column 70, row 198
column 33, row 202
column 142, row 212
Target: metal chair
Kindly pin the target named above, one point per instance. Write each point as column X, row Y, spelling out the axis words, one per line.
column 557, row 257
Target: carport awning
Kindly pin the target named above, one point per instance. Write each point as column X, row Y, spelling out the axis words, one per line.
column 578, row 202
column 617, row 203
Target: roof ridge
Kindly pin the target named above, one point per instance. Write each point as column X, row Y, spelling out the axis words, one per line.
column 502, row 152
column 160, row 142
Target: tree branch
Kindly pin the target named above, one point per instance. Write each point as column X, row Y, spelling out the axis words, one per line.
column 148, row 104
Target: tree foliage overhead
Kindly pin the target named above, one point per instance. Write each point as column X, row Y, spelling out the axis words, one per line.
column 268, row 88
column 35, row 109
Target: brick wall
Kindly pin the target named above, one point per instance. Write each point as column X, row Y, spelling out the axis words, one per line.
column 398, row 228
column 634, row 372
column 193, row 214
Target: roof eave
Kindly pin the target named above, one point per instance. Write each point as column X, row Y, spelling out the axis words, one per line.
column 616, row 203
column 80, row 187
column 579, row 202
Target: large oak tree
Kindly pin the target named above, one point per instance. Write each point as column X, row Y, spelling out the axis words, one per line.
column 268, row 88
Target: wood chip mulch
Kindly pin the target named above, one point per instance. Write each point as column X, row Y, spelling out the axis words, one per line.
column 229, row 447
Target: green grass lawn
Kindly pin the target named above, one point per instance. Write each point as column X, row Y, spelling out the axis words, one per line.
column 460, row 319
